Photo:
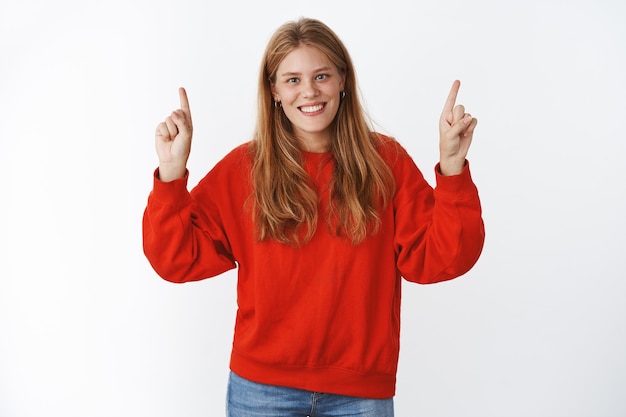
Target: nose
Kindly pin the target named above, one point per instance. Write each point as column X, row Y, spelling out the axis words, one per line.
column 309, row 89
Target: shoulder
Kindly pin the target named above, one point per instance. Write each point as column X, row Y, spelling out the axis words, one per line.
column 233, row 167
column 239, row 158
column 243, row 152
column 389, row 148
column 399, row 161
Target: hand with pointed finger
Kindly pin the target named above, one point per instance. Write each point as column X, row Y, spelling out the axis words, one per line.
column 456, row 129
column 173, row 141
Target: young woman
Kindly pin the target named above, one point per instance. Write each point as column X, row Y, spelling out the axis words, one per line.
column 323, row 218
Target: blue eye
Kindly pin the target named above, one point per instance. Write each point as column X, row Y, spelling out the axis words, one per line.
column 292, row 80
column 321, row 77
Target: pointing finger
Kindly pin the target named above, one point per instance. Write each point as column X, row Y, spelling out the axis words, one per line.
column 184, row 102
column 447, row 108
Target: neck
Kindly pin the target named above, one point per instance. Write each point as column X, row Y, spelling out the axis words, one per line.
column 317, row 144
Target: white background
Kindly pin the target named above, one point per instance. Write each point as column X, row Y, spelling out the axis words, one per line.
column 537, row 328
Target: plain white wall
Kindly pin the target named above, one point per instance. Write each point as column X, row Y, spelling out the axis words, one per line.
column 536, row 328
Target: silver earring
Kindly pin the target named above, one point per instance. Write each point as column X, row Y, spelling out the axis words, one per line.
column 342, row 94
column 277, row 104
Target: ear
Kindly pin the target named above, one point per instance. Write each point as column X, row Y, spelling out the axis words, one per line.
column 274, row 93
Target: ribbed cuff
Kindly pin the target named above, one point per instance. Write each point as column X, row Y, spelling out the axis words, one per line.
column 173, row 193
column 455, row 186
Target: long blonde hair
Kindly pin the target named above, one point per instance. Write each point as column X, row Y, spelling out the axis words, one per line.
column 285, row 199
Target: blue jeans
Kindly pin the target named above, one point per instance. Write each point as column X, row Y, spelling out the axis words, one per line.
column 250, row 399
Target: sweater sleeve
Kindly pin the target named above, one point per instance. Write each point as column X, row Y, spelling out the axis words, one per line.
column 439, row 232
column 183, row 241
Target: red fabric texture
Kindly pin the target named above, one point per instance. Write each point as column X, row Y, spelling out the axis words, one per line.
column 324, row 317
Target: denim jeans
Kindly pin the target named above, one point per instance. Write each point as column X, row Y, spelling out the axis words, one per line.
column 250, row 399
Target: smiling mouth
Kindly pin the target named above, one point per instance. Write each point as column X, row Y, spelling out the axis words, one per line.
column 312, row 109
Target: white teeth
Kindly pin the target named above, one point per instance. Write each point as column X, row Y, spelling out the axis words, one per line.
column 312, row 109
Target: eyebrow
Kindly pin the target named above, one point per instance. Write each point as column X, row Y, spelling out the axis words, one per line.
column 291, row 74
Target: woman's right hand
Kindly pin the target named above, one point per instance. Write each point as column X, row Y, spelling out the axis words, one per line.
column 173, row 141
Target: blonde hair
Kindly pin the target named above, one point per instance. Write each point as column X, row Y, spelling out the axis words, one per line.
column 285, row 199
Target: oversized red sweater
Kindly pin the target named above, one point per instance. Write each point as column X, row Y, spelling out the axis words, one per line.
column 324, row 317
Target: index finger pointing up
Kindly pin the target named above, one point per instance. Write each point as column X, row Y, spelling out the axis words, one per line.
column 447, row 108
column 184, row 101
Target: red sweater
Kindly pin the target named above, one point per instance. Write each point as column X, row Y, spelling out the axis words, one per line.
column 324, row 317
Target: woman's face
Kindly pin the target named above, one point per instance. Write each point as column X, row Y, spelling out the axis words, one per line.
column 308, row 87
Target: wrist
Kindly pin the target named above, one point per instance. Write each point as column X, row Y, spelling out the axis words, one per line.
column 167, row 173
column 449, row 167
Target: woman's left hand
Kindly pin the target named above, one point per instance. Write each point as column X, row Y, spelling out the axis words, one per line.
column 456, row 128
